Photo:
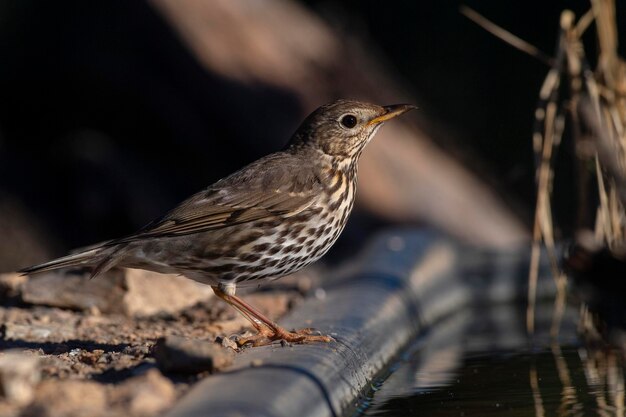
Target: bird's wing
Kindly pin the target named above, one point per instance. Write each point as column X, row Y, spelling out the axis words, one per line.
column 243, row 197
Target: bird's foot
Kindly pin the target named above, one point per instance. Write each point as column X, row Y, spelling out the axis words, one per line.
column 268, row 336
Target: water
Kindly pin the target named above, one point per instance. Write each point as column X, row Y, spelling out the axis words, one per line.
column 482, row 363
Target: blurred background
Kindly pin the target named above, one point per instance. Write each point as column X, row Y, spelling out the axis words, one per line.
column 112, row 112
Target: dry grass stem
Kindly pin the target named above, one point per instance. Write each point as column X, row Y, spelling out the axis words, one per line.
column 505, row 35
column 593, row 104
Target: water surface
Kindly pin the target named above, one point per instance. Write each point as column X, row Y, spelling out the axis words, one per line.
column 481, row 362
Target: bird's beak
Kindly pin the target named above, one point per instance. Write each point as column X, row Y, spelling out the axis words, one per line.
column 392, row 111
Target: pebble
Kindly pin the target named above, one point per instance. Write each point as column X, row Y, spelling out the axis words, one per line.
column 11, row 284
column 36, row 332
column 189, row 356
column 19, row 374
column 67, row 398
column 226, row 342
column 147, row 394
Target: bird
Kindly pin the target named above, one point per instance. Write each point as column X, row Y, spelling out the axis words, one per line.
column 271, row 218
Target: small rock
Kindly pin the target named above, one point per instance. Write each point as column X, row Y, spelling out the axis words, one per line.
column 137, row 350
column 94, row 311
column 226, row 342
column 130, row 291
column 19, row 374
column 11, row 284
column 176, row 354
column 76, row 291
column 148, row 394
column 91, row 358
column 149, row 293
column 37, row 332
column 67, row 398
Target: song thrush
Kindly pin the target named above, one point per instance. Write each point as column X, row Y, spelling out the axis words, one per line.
column 271, row 218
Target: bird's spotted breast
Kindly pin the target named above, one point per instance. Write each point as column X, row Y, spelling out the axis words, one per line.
column 291, row 244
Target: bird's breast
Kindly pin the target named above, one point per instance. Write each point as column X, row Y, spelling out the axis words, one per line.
column 340, row 195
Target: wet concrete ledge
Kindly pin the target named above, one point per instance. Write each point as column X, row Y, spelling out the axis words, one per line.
column 404, row 283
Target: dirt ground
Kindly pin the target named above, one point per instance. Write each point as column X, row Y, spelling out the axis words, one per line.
column 64, row 361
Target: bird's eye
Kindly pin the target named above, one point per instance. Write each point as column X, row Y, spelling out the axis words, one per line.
column 348, row 121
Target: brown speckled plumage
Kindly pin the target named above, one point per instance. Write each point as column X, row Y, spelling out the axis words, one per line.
column 269, row 219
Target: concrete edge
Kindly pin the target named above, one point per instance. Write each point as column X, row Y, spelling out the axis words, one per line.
column 405, row 282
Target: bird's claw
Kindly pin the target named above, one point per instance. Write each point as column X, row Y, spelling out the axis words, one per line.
column 286, row 338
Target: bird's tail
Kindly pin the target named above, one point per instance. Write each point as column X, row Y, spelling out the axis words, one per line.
column 100, row 259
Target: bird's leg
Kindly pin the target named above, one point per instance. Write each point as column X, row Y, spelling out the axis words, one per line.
column 268, row 331
column 260, row 327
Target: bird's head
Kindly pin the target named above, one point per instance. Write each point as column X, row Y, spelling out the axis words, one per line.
column 343, row 128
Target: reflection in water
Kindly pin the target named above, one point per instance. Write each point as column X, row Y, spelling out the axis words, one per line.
column 604, row 372
column 481, row 363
